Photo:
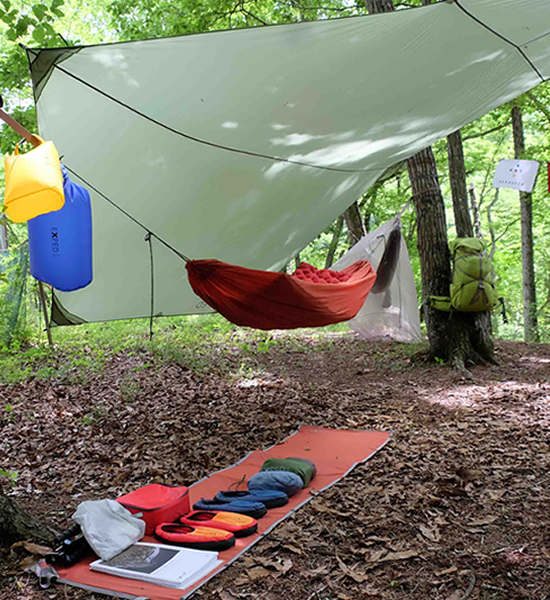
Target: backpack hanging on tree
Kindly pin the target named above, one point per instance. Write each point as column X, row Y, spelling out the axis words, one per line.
column 473, row 281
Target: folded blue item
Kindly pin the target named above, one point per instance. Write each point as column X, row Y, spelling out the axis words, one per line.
column 282, row 481
column 256, row 510
column 269, row 498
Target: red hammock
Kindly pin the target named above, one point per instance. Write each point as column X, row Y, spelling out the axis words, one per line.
column 266, row 300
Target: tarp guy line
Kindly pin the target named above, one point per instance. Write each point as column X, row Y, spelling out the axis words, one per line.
column 504, row 38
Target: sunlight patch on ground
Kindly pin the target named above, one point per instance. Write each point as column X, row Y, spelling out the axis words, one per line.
column 536, row 360
column 535, row 395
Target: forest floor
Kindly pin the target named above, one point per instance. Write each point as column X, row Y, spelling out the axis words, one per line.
column 455, row 506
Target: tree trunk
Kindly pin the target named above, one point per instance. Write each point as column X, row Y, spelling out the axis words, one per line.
column 16, row 524
column 3, row 233
column 530, row 323
column 354, row 223
column 334, row 242
column 457, row 337
column 475, row 210
column 457, row 176
column 379, row 6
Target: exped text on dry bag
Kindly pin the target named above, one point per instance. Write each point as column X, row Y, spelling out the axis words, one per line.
column 34, row 183
column 60, row 242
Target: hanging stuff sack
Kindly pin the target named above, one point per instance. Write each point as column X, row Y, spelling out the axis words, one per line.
column 34, row 183
column 60, row 242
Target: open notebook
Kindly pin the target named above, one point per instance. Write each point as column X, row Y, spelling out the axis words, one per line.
column 161, row 564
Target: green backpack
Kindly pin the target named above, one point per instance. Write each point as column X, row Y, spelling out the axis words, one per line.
column 473, row 283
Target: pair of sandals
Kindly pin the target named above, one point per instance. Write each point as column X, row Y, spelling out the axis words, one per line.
column 207, row 530
column 215, row 524
column 252, row 503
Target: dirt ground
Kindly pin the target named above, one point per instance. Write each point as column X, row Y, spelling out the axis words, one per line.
column 456, row 506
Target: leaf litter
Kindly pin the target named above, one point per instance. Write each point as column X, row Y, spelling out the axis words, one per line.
column 461, row 490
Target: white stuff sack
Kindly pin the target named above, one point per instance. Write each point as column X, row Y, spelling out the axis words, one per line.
column 108, row 527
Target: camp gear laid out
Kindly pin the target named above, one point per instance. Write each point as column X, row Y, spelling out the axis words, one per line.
column 335, row 452
column 283, row 481
column 293, row 465
column 60, row 242
column 256, row 510
column 238, row 525
column 34, row 184
column 197, row 537
column 108, row 527
column 269, row 498
column 158, row 503
column 267, row 300
column 158, row 564
column 473, row 286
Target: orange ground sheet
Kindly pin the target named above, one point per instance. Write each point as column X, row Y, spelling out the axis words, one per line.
column 334, row 451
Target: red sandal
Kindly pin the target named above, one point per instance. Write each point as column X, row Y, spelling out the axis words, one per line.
column 238, row 525
column 199, row 538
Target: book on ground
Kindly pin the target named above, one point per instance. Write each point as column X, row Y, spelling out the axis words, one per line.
column 165, row 565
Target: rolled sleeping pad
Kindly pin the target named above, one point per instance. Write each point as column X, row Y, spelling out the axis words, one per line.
column 60, row 242
column 388, row 262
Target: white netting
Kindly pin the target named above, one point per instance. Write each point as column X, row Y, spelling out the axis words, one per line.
column 392, row 314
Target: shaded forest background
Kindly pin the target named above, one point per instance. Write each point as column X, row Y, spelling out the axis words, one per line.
column 486, row 141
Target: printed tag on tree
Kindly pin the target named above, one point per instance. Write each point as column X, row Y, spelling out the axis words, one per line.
column 516, row 174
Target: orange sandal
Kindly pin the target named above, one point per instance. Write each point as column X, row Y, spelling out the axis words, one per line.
column 238, row 525
column 200, row 538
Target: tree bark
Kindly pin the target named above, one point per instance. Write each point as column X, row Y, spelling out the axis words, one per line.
column 3, row 233
column 475, row 210
column 334, row 242
column 530, row 322
column 16, row 524
column 379, row 6
column 354, row 223
column 457, row 176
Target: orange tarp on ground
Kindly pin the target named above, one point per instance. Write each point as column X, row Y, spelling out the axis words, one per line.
column 334, row 451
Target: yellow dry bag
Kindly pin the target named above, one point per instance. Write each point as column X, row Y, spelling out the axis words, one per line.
column 34, row 183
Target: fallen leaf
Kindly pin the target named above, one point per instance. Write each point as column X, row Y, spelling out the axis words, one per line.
column 36, row 548
column 351, row 573
column 484, row 521
column 376, row 555
column 399, row 555
column 448, row 571
column 258, row 573
column 292, row 548
column 429, row 533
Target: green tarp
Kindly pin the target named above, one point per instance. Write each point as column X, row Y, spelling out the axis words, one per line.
column 243, row 145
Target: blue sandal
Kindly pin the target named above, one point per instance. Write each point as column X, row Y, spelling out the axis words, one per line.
column 256, row 510
column 269, row 498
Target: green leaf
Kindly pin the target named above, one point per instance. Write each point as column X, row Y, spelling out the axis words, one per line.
column 38, row 34
column 48, row 28
column 58, row 13
column 39, row 10
column 6, row 4
column 9, row 17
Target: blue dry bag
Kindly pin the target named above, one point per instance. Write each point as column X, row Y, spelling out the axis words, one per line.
column 60, row 242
